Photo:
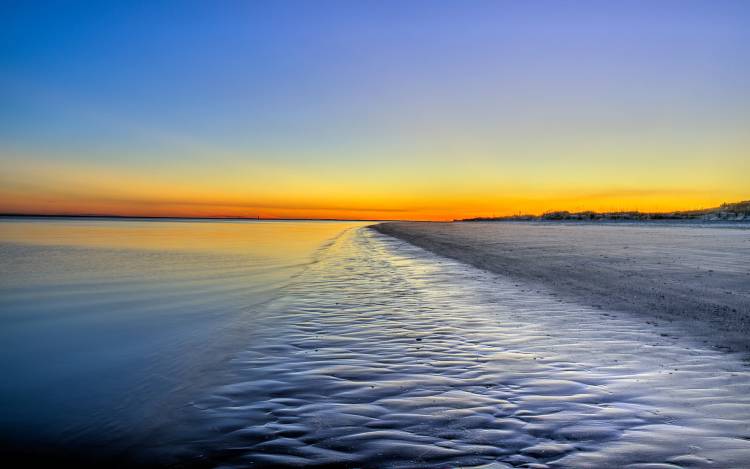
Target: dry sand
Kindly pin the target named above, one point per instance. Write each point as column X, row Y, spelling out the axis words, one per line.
column 695, row 276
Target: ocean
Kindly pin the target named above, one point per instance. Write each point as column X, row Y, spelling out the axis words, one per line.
column 306, row 343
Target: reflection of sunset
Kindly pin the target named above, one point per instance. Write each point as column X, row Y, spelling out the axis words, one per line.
column 229, row 237
column 227, row 233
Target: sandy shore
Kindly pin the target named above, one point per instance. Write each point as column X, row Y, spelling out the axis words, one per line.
column 697, row 277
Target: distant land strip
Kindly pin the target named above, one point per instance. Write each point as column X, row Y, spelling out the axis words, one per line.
column 146, row 217
column 739, row 211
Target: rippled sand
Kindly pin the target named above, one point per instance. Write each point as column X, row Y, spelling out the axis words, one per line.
column 383, row 355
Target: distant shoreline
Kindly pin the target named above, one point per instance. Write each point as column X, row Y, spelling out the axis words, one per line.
column 606, row 221
column 137, row 217
column 738, row 211
column 731, row 212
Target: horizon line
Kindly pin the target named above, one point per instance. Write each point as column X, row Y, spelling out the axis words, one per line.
column 152, row 217
column 259, row 218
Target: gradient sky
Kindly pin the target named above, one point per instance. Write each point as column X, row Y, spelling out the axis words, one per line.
column 382, row 109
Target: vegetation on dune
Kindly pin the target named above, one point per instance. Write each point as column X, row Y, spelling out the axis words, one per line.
column 738, row 211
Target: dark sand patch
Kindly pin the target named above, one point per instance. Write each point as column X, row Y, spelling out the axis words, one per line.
column 695, row 275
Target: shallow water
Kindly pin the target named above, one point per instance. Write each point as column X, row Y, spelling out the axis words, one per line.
column 107, row 326
column 376, row 353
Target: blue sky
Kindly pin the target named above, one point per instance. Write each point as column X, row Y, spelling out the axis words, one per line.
column 348, row 95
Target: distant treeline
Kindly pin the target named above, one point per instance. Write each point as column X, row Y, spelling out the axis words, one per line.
column 739, row 211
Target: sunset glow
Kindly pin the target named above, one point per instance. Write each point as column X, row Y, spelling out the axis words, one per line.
column 428, row 111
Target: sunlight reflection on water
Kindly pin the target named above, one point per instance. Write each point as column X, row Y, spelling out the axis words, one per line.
column 105, row 322
column 346, row 348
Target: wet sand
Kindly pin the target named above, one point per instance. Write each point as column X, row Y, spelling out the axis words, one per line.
column 384, row 355
column 695, row 276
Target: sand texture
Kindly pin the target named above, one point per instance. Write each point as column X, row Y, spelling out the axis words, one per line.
column 383, row 355
column 697, row 276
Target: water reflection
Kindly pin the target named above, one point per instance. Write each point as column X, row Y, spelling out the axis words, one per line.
column 107, row 326
column 330, row 344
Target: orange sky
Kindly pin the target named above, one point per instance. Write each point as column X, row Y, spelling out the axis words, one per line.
column 62, row 189
column 374, row 110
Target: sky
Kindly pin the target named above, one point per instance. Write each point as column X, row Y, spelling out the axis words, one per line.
column 429, row 110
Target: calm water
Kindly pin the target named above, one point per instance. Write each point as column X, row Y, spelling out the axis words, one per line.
column 315, row 343
column 108, row 326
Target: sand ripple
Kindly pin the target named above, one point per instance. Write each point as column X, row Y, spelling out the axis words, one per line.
column 384, row 355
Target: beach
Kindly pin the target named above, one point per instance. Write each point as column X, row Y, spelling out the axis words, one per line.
column 328, row 344
column 375, row 235
column 696, row 276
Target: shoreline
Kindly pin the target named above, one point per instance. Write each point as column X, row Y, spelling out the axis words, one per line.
column 697, row 277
